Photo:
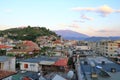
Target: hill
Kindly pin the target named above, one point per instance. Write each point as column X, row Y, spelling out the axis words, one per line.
column 71, row 35
column 26, row 33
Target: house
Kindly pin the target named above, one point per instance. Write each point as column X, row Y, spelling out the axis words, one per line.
column 7, row 63
column 26, row 47
column 5, row 47
column 45, row 41
column 44, row 64
column 58, row 43
column 6, row 41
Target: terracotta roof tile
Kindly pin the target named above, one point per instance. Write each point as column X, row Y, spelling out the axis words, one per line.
column 5, row 46
column 4, row 74
column 57, row 42
column 61, row 62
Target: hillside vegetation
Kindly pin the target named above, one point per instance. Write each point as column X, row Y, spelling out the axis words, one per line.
column 27, row 33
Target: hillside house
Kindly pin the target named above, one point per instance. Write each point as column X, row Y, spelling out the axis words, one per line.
column 26, row 47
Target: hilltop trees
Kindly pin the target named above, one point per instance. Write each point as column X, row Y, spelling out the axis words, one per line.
column 26, row 33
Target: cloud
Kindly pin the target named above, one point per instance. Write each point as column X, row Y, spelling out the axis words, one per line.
column 106, row 30
column 74, row 25
column 81, row 21
column 118, row 11
column 86, row 17
column 104, row 10
column 83, row 9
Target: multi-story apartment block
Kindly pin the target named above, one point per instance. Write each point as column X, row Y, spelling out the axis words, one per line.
column 92, row 45
column 107, row 48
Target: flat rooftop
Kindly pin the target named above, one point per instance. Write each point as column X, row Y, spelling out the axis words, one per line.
column 89, row 65
column 41, row 58
column 4, row 58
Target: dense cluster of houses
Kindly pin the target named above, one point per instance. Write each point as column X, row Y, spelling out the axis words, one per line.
column 22, row 60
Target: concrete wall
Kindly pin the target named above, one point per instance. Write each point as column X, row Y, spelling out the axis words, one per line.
column 9, row 64
column 31, row 66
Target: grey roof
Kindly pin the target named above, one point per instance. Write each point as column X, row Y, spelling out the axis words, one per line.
column 4, row 58
column 41, row 58
column 19, row 76
column 87, row 68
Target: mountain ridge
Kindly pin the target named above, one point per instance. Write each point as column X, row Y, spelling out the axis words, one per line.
column 71, row 35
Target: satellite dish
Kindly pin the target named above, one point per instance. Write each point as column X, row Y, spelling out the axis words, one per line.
column 39, row 74
column 99, row 67
column 70, row 74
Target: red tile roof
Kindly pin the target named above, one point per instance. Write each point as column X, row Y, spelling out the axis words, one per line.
column 31, row 45
column 5, row 46
column 57, row 42
column 61, row 62
column 26, row 78
column 4, row 74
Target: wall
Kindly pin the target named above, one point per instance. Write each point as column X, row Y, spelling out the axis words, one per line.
column 31, row 66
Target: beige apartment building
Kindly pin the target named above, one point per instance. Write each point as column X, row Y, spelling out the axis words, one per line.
column 108, row 48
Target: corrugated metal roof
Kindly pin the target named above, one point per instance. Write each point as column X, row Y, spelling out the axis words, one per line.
column 87, row 68
column 41, row 58
column 4, row 58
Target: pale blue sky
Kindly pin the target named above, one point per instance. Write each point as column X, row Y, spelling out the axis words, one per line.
column 91, row 17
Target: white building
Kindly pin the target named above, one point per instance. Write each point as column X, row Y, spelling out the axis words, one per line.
column 83, row 48
column 7, row 63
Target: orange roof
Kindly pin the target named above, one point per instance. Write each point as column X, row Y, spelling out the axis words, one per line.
column 29, row 43
column 5, row 46
column 4, row 73
column 57, row 42
column 61, row 62
column 26, row 78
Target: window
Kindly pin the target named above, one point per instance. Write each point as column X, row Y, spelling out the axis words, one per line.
column 25, row 65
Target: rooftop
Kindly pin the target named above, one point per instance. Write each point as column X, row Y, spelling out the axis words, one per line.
column 28, row 74
column 4, row 74
column 40, row 59
column 61, row 62
column 4, row 58
column 5, row 46
column 100, row 66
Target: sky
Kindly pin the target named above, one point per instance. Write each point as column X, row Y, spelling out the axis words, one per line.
column 90, row 17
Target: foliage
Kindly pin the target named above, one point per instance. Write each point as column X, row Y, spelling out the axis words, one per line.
column 11, row 55
column 47, row 51
column 70, row 61
column 2, row 52
column 27, row 33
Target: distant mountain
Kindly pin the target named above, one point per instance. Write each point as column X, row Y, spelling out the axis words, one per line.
column 102, row 38
column 71, row 35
